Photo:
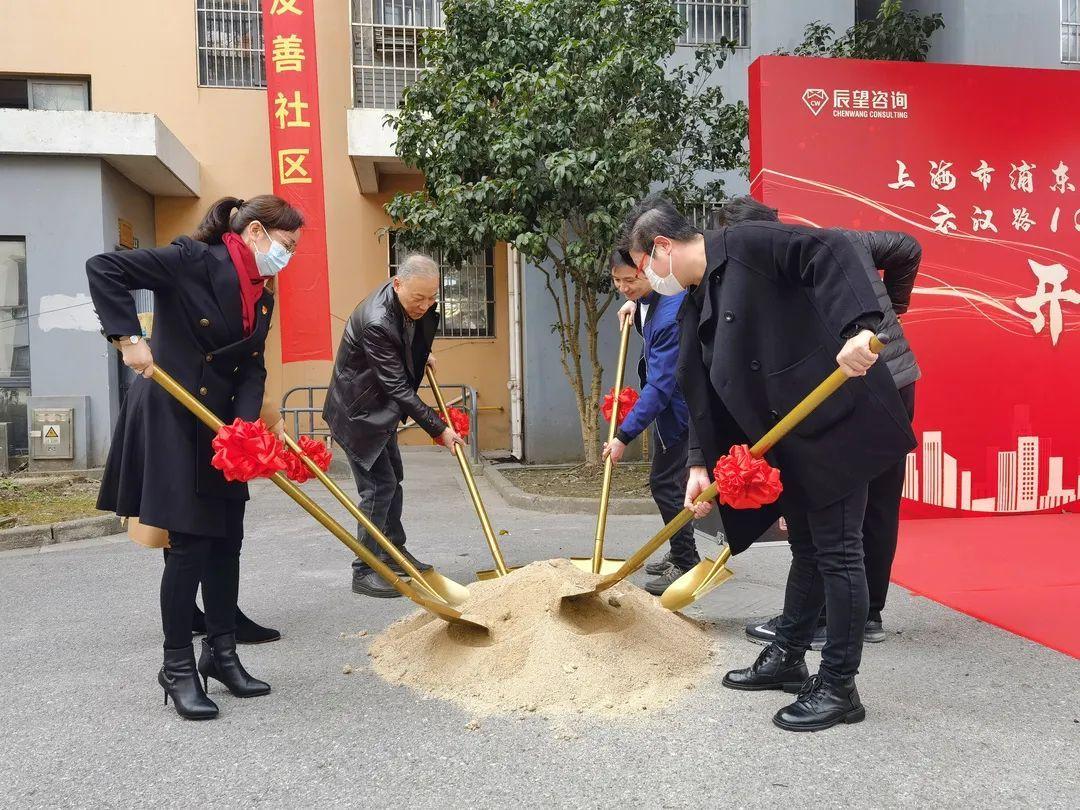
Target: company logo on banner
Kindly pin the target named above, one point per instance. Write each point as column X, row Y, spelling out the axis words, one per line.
column 940, row 152
column 292, row 88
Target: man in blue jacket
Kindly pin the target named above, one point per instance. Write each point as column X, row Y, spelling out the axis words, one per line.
column 661, row 404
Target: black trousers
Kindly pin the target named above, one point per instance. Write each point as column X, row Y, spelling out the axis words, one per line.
column 827, row 570
column 667, row 480
column 882, row 522
column 381, row 499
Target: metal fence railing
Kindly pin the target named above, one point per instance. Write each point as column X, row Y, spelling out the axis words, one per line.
column 301, row 408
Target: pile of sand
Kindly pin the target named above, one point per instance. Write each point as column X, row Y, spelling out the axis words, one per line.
column 616, row 654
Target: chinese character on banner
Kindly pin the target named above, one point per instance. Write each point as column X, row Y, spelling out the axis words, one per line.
column 284, row 105
column 1061, row 179
column 881, row 100
column 982, row 220
column 899, row 100
column 842, row 99
column 285, row 7
column 982, row 174
column 860, row 99
column 291, row 167
column 943, row 220
column 1020, row 178
column 287, row 54
column 903, row 179
column 940, row 176
column 1049, row 292
column 1022, row 220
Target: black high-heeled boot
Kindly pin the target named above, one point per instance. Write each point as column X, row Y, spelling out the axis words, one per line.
column 181, row 682
column 248, row 632
column 220, row 662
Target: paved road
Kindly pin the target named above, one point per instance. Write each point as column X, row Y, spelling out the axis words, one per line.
column 960, row 713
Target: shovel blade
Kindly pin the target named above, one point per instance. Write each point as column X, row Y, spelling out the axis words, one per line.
column 453, row 593
column 695, row 583
column 491, row 573
column 448, row 614
column 607, row 565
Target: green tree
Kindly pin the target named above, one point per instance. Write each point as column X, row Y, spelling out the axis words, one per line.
column 537, row 124
column 895, row 34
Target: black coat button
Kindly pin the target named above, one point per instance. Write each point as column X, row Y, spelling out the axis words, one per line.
column 204, row 322
column 755, row 365
column 203, row 391
column 774, row 415
column 729, row 316
column 209, row 358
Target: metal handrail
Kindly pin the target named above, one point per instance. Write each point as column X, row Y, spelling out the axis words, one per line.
column 316, row 428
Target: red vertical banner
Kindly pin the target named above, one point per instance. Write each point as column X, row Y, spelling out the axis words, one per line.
column 292, row 92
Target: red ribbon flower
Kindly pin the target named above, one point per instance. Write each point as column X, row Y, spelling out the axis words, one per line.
column 459, row 421
column 628, row 398
column 318, row 452
column 247, row 450
column 746, row 482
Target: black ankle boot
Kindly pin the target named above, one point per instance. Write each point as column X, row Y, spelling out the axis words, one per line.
column 775, row 668
column 181, row 682
column 248, row 632
column 198, row 622
column 822, row 705
column 220, row 662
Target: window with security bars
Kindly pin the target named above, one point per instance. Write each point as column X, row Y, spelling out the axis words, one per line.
column 230, row 43
column 387, row 40
column 1070, row 32
column 466, row 293
column 715, row 20
column 704, row 215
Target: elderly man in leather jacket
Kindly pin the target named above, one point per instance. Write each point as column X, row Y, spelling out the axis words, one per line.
column 378, row 369
column 897, row 255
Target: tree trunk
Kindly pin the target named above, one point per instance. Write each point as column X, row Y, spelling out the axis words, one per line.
column 577, row 306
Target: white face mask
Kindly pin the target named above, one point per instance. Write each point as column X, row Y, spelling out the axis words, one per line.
column 665, row 285
column 273, row 261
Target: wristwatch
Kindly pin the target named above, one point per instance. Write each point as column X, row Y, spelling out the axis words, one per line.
column 119, row 339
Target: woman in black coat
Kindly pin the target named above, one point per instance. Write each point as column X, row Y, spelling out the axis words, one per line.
column 211, row 315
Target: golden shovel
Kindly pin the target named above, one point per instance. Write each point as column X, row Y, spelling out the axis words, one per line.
column 706, row 575
column 435, row 584
column 437, row 608
column 500, row 569
column 597, row 564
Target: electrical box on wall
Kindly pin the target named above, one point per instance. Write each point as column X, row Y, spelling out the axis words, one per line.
column 52, row 434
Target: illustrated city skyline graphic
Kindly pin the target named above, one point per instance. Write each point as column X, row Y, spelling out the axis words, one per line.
column 938, row 481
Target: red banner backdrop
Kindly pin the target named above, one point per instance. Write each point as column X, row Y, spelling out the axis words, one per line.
column 292, row 92
column 982, row 165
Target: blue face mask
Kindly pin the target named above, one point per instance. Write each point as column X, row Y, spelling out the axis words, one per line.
column 273, row 261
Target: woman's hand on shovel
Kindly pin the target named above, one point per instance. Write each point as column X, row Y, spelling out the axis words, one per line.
column 449, row 437
column 137, row 357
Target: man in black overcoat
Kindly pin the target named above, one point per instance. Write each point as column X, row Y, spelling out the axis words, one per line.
column 772, row 310
column 378, row 369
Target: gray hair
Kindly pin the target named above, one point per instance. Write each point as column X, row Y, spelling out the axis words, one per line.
column 417, row 264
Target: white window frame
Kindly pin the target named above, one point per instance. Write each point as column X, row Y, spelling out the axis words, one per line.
column 1070, row 32
column 33, row 81
column 725, row 17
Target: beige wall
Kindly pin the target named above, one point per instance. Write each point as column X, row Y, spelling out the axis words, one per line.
column 140, row 56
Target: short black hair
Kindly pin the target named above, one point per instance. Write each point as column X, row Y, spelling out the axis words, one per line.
column 652, row 217
column 620, row 257
column 747, row 209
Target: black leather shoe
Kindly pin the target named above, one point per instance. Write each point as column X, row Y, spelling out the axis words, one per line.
column 180, row 681
column 763, row 631
column 874, row 633
column 657, row 586
column 822, row 705
column 655, row 569
column 248, row 632
column 775, row 668
column 367, row 583
column 397, row 569
column 220, row 662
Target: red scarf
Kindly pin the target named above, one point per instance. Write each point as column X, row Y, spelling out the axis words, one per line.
column 247, row 273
